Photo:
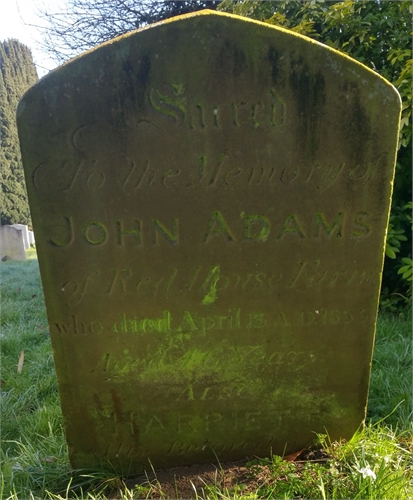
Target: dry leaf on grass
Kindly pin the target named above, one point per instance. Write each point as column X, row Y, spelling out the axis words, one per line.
column 20, row 363
column 292, row 456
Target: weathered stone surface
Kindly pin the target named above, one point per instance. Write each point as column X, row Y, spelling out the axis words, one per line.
column 25, row 232
column 209, row 197
column 11, row 243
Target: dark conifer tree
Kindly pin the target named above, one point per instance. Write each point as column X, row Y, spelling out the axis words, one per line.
column 17, row 74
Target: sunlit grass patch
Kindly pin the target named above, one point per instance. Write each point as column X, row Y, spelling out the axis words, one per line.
column 391, row 375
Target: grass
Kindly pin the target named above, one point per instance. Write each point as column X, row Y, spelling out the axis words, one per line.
column 375, row 463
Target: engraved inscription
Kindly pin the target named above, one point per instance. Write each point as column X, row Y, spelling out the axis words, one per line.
column 198, row 170
column 209, row 280
column 189, row 322
column 243, row 423
column 171, row 105
column 210, row 232
column 77, row 327
column 257, row 228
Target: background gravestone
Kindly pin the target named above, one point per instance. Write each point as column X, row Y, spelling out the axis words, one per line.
column 11, row 243
column 209, row 197
column 31, row 238
column 25, row 232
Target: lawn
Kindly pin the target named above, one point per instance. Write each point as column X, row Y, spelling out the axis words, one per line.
column 375, row 463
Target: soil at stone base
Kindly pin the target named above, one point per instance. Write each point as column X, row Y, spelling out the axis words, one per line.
column 188, row 482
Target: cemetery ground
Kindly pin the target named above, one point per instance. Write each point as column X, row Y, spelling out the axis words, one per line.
column 375, row 463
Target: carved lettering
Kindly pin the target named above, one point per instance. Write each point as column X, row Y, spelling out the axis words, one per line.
column 190, row 322
column 74, row 174
column 139, row 177
column 363, row 173
column 289, row 174
column 170, row 104
column 209, row 282
column 362, row 229
column 131, row 232
column 68, row 223
column 198, row 170
column 168, row 100
column 249, row 421
column 169, row 177
column 76, row 292
column 256, row 321
column 336, row 227
column 328, row 175
column 292, row 226
column 256, row 227
column 95, row 233
column 212, row 420
column 218, row 226
column 252, row 420
column 159, row 229
column 359, row 278
column 116, row 449
column 75, row 326
column 185, row 423
column 207, row 175
column 277, row 109
column 119, row 277
column 156, row 423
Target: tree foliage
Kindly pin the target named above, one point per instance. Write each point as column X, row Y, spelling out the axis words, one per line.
column 379, row 34
column 83, row 24
column 17, row 74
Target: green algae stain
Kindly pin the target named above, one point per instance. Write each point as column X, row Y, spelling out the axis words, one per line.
column 211, row 296
column 123, row 51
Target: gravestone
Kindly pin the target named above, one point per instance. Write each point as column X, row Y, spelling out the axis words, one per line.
column 25, row 232
column 209, row 198
column 11, row 243
column 31, row 238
